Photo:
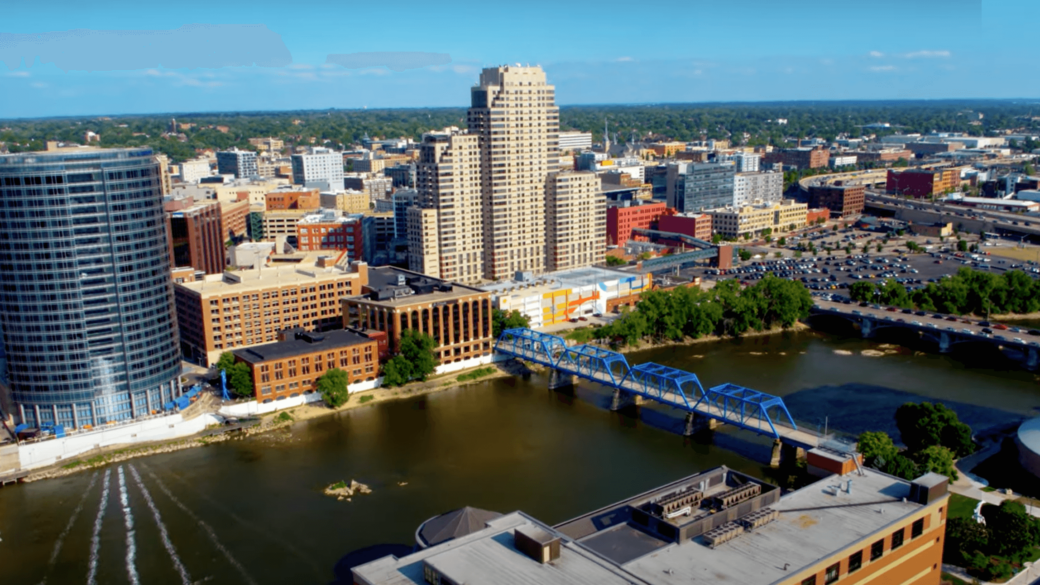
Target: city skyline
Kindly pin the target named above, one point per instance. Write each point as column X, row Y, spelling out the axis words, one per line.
column 785, row 52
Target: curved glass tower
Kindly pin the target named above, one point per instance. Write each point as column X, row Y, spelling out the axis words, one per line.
column 86, row 299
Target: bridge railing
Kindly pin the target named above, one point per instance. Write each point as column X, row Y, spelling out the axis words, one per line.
column 730, row 403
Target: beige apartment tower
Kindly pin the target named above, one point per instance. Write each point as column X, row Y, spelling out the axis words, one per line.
column 448, row 173
column 514, row 114
column 576, row 218
column 423, row 241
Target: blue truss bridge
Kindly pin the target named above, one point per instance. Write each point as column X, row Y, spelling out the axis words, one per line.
column 730, row 404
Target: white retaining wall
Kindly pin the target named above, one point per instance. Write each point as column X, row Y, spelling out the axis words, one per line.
column 253, row 407
column 34, row 455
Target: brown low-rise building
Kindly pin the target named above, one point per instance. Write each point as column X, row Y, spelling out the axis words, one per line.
column 923, row 182
column 244, row 308
column 308, row 200
column 841, row 200
column 293, row 365
column 457, row 316
column 802, row 158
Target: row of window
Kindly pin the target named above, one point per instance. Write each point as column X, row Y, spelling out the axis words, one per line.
column 877, row 550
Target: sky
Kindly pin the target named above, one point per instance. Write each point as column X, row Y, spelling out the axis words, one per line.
column 68, row 57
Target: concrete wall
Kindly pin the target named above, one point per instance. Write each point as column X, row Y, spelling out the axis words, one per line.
column 44, row 453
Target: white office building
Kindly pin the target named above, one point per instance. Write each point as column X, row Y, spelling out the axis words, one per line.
column 575, row 141
column 321, row 165
column 746, row 162
column 240, row 163
column 748, row 187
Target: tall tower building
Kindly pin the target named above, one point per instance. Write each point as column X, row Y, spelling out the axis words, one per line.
column 241, row 163
column 576, row 215
column 86, row 303
column 321, row 165
column 514, row 114
column 448, row 181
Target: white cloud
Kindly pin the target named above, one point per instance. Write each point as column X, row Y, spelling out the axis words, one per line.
column 883, row 68
column 18, row 74
column 39, row 85
column 876, row 54
column 625, row 59
column 927, row 55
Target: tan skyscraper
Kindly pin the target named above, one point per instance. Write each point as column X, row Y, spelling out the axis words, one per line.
column 514, row 114
column 576, row 217
column 448, row 183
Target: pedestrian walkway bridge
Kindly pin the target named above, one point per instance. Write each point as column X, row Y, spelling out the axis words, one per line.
column 728, row 403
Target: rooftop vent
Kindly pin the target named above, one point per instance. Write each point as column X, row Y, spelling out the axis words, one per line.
column 722, row 534
column 537, row 543
column 737, row 495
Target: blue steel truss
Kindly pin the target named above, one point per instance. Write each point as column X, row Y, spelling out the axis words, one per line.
column 655, row 381
column 751, row 407
column 595, row 363
column 729, row 403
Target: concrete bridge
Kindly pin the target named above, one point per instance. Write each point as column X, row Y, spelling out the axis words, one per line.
column 934, row 327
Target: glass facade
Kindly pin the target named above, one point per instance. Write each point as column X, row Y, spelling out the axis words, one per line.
column 705, row 186
column 86, row 299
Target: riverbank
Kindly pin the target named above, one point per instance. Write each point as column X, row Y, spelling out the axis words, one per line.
column 644, row 345
column 276, row 421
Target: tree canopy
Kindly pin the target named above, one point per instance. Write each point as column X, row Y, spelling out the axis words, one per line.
column 332, row 385
column 928, row 424
column 415, row 360
column 500, row 321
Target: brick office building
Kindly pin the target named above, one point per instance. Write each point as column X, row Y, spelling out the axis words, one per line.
column 922, row 182
column 802, row 158
column 308, row 200
column 695, row 225
column 292, row 366
column 457, row 316
column 841, row 200
column 249, row 307
column 621, row 220
column 327, row 231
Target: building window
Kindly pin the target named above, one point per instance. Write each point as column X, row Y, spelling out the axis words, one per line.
column 831, row 574
column 897, row 539
column 917, row 528
column 809, row 580
column 855, row 561
column 877, row 549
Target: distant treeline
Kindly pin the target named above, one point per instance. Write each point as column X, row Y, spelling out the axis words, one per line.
column 760, row 122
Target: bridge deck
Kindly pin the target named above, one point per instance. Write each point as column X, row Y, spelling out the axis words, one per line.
column 731, row 404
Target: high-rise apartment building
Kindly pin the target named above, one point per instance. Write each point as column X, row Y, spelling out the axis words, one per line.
column 241, row 163
column 321, row 165
column 86, row 307
column 700, row 186
column 193, row 170
column 747, row 162
column 423, row 241
column 515, row 116
column 576, row 217
column 448, row 180
column 750, row 187
column 196, row 235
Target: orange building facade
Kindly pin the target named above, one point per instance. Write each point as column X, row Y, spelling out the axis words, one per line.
column 292, row 200
column 621, row 221
column 292, row 366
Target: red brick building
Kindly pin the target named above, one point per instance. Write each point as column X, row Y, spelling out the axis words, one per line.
column 813, row 216
column 841, row 200
column 196, row 235
column 802, row 158
column 290, row 200
column 621, row 221
column 922, row 182
column 292, row 366
column 316, row 232
column 695, row 226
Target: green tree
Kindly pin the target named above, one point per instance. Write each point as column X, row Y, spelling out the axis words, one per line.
column 875, row 446
column 938, row 459
column 716, row 238
column 332, row 385
column 782, row 241
column 879, row 248
column 962, row 246
column 240, row 378
column 616, row 261
column 226, row 362
column 901, row 466
column 744, row 255
column 418, row 349
column 397, row 371
column 863, row 291
column 964, row 537
column 1015, row 530
column 778, row 255
column 926, row 424
column 500, row 321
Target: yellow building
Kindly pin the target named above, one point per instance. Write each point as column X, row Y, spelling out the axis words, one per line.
column 752, row 219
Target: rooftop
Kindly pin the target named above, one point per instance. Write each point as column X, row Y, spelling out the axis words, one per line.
column 397, row 287
column 264, row 277
column 662, row 536
column 301, row 343
column 551, row 281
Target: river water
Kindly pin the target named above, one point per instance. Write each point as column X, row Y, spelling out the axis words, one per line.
column 252, row 511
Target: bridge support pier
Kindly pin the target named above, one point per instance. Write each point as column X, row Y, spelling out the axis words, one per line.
column 783, row 453
column 945, row 343
column 1032, row 359
column 560, row 381
column 867, row 328
column 622, row 400
column 696, row 424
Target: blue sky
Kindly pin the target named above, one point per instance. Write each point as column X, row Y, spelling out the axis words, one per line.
column 594, row 52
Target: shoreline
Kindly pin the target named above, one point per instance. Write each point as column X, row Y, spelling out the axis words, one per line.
column 268, row 423
column 643, row 345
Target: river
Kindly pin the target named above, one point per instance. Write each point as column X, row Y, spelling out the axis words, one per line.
column 252, row 511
